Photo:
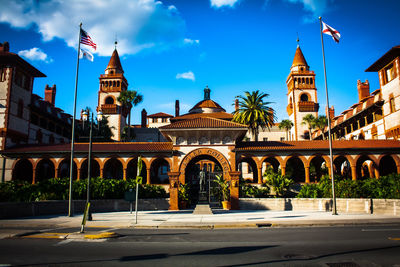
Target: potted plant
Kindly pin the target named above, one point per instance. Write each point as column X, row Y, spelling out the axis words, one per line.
column 183, row 195
column 225, row 192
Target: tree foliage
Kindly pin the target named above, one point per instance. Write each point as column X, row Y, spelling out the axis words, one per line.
column 254, row 112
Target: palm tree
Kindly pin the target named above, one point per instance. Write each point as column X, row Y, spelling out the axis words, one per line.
column 309, row 119
column 320, row 123
column 128, row 99
column 287, row 125
column 254, row 112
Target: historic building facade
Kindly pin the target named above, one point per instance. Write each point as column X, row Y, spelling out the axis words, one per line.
column 203, row 137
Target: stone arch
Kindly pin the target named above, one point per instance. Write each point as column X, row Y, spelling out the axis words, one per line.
column 250, row 169
column 94, row 166
column 159, row 168
column 295, row 167
column 226, row 167
column 63, row 168
column 366, row 167
column 44, row 169
column 22, row 170
column 131, row 169
column 342, row 165
column 387, row 165
column 319, row 165
column 304, row 97
column 273, row 160
column 113, row 169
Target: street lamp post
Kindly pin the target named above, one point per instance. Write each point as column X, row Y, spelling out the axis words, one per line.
column 89, row 167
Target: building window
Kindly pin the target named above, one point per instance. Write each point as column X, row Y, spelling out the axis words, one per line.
column 39, row 136
column 154, row 120
column 304, row 97
column 20, row 110
column 390, row 72
column 19, row 78
column 109, row 100
column 265, row 139
column 392, row 105
column 164, row 119
column 282, row 138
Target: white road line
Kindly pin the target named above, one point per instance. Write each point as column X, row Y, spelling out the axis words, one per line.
column 66, row 241
column 380, row 230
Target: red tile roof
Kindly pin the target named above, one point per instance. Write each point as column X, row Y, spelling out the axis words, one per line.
column 318, row 145
column 97, row 147
column 207, row 103
column 217, row 115
column 160, row 115
column 203, row 123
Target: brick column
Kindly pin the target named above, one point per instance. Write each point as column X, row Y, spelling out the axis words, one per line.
column 307, row 170
column 283, row 171
column 234, row 190
column 173, row 190
column 101, row 172
column 34, row 175
column 353, row 172
column 260, row 178
column 124, row 173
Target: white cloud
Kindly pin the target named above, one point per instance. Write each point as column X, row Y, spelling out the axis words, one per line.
column 222, row 3
column 186, row 75
column 316, row 7
column 190, row 41
column 35, row 54
column 138, row 24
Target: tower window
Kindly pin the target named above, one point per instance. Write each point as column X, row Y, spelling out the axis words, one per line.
column 113, row 83
column 311, row 81
column 117, row 83
column 304, row 97
column 302, row 80
column 390, row 73
column 307, row 81
column 109, row 100
column 392, row 105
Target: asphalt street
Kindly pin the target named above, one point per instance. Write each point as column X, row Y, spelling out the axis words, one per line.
column 312, row 246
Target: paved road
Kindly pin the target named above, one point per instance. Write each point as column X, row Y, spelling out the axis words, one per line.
column 316, row 246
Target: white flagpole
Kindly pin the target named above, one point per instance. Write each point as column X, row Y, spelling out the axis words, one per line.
column 71, row 166
column 334, row 211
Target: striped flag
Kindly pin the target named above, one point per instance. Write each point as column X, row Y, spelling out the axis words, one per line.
column 86, row 40
column 330, row 31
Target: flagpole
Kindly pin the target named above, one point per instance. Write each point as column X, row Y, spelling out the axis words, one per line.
column 334, row 211
column 71, row 166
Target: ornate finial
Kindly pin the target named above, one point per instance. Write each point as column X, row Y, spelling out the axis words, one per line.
column 116, row 41
column 207, row 93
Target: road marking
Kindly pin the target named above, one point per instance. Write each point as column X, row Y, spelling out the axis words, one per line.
column 380, row 230
column 63, row 242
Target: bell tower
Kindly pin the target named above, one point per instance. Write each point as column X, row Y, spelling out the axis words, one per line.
column 301, row 96
column 112, row 83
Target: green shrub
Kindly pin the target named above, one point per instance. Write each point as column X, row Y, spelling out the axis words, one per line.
column 58, row 189
column 280, row 184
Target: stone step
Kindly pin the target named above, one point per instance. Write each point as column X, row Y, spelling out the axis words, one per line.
column 202, row 209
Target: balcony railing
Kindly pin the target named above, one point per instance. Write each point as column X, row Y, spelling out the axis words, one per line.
column 308, row 106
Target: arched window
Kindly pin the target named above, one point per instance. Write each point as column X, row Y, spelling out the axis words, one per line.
column 20, row 110
column 117, row 83
column 307, row 81
column 109, row 100
column 106, row 84
column 311, row 81
column 302, row 80
column 113, row 83
column 304, row 97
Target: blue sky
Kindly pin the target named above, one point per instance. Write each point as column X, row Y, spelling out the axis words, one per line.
column 172, row 49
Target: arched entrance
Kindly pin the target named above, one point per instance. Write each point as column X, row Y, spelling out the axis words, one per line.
column 295, row 169
column 342, row 167
column 387, row 165
column 94, row 166
column 187, row 167
column 159, row 171
column 113, row 169
column 248, row 167
column 44, row 170
column 63, row 169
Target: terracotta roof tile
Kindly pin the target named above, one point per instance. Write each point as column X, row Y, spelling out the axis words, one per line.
column 203, row 123
column 97, row 147
column 299, row 59
column 207, row 103
column 318, row 145
column 217, row 115
column 160, row 115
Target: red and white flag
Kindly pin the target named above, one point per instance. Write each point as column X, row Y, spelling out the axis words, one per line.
column 86, row 40
column 330, row 31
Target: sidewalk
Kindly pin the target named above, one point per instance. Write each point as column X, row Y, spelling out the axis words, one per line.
column 185, row 219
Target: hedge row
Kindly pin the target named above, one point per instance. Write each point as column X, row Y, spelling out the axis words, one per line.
column 58, row 189
column 387, row 187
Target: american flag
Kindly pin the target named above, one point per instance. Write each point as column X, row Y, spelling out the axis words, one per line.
column 86, row 40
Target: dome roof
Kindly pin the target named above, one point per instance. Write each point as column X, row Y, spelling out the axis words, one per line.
column 207, row 104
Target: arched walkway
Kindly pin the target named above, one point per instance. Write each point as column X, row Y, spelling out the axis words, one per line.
column 295, row 169
column 44, row 170
column 159, row 171
column 63, row 169
column 94, row 166
column 366, row 168
column 23, row 171
column 387, row 165
column 318, row 167
column 270, row 162
column 113, row 169
column 131, row 170
column 248, row 167
column 342, row 167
